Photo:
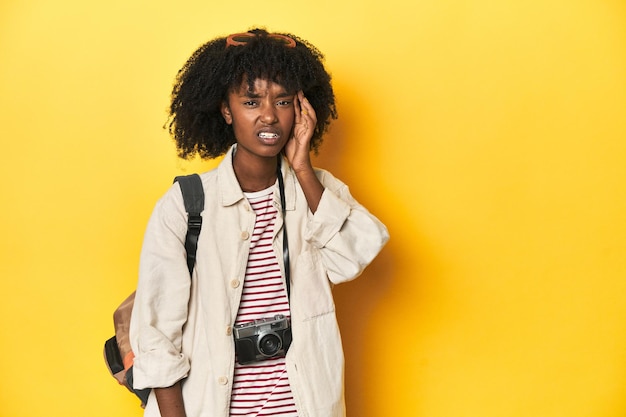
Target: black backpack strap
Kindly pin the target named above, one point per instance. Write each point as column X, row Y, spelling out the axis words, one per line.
column 193, row 195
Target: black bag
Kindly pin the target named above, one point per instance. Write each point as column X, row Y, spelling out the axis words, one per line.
column 117, row 351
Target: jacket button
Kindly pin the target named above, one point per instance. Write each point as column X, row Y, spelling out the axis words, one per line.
column 229, row 331
column 245, row 235
column 222, row 380
column 234, row 283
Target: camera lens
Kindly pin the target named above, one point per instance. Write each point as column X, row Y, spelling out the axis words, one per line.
column 270, row 344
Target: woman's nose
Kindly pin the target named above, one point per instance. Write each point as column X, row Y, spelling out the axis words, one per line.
column 268, row 114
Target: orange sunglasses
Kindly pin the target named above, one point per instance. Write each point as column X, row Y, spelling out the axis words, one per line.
column 238, row 39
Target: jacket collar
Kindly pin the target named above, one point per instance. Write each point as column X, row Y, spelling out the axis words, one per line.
column 230, row 192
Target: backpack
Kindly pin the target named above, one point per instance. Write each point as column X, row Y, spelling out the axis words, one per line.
column 117, row 351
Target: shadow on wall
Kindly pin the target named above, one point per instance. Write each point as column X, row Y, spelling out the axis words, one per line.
column 362, row 305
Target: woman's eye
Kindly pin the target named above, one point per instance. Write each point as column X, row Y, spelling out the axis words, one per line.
column 249, row 103
column 284, row 103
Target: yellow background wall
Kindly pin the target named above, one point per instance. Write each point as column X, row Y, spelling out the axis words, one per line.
column 489, row 135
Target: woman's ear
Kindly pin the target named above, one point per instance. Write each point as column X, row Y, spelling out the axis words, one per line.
column 226, row 113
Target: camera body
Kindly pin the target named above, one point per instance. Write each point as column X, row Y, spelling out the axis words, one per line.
column 262, row 339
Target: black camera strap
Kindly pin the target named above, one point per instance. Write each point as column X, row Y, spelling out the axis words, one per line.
column 283, row 205
column 254, row 340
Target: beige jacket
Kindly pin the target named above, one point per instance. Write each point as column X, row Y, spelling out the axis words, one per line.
column 182, row 328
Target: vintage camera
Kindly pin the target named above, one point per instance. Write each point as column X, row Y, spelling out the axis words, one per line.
column 262, row 339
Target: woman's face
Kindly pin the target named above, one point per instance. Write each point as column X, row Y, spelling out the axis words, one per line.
column 262, row 117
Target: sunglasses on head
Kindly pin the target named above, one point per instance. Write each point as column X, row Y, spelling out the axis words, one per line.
column 238, row 39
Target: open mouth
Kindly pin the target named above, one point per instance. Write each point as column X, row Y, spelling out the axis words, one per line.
column 268, row 135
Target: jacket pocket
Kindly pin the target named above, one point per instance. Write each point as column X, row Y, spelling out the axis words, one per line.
column 311, row 290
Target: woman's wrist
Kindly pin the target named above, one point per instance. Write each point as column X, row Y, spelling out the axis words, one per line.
column 311, row 186
column 170, row 401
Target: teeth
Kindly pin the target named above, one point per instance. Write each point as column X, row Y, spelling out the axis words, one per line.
column 267, row 135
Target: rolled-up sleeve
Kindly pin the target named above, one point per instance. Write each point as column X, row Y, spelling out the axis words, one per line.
column 161, row 302
column 347, row 236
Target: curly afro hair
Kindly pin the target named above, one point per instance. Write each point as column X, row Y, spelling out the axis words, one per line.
column 214, row 69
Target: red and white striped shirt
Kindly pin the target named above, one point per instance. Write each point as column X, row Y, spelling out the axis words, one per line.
column 262, row 388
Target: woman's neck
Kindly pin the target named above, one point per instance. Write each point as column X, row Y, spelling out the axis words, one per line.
column 254, row 174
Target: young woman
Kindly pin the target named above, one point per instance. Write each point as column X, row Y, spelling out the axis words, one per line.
column 253, row 332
